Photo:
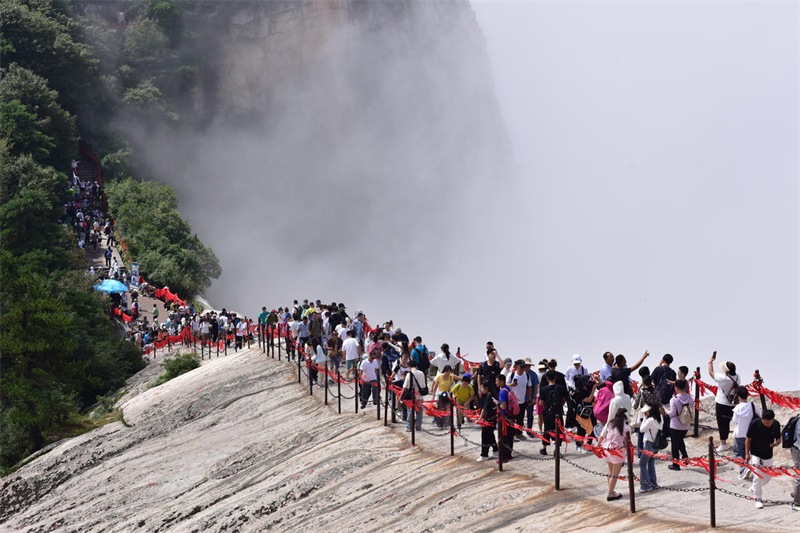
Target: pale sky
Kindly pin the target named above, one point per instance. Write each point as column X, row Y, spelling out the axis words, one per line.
column 658, row 151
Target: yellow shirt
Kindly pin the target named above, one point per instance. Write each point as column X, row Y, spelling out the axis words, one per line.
column 462, row 392
column 444, row 384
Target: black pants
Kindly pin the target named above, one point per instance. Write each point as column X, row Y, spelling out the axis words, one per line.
column 366, row 387
column 676, row 437
column 520, row 418
column 724, row 417
column 530, row 410
column 550, row 418
column 239, row 340
column 442, row 404
column 314, row 373
column 488, row 440
column 508, row 440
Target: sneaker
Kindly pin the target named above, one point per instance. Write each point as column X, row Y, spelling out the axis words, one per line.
column 492, row 453
column 759, row 504
column 482, row 459
column 673, row 466
column 742, row 475
column 582, row 451
column 522, row 437
column 543, row 451
column 796, row 507
column 723, row 447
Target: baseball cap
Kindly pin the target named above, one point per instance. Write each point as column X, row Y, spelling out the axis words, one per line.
column 507, row 360
column 577, row 359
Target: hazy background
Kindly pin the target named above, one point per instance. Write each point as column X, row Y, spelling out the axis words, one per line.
column 658, row 148
column 651, row 201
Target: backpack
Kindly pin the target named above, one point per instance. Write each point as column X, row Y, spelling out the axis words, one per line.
column 602, row 404
column 553, row 402
column 513, row 403
column 297, row 313
column 423, row 363
column 789, row 431
column 686, row 414
column 732, row 395
column 660, row 441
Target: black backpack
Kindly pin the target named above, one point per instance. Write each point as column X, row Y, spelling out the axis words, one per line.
column 424, row 363
column 297, row 313
column 789, row 431
column 661, row 441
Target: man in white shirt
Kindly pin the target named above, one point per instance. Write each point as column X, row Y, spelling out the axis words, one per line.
column 369, row 375
column 743, row 414
column 605, row 371
column 351, row 350
column 415, row 379
column 294, row 329
column 520, row 386
column 577, row 369
column 508, row 369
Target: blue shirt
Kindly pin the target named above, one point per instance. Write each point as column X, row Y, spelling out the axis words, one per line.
column 302, row 330
column 533, row 380
column 605, row 373
column 503, row 397
column 358, row 328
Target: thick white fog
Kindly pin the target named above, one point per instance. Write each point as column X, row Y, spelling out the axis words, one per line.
column 650, row 200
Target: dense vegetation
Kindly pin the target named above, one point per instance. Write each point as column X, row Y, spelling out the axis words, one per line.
column 63, row 77
column 176, row 365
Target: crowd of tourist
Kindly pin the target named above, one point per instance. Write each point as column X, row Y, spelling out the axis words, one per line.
column 599, row 405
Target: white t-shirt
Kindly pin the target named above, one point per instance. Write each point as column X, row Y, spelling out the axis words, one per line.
column 350, row 347
column 342, row 332
column 416, row 383
column 649, row 428
column 440, row 361
column 241, row 328
column 522, row 385
column 370, row 369
column 724, row 385
column 742, row 416
column 204, row 327
column 507, row 373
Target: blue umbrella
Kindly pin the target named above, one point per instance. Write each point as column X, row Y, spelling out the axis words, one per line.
column 111, row 285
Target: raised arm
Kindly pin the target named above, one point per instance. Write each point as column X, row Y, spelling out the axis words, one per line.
column 640, row 361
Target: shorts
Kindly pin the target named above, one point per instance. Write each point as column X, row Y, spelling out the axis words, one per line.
column 539, row 407
column 352, row 363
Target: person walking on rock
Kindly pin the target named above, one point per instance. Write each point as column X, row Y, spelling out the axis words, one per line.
column 677, row 430
column 369, row 377
column 763, row 435
column 613, row 438
column 415, row 380
column 727, row 383
column 488, row 422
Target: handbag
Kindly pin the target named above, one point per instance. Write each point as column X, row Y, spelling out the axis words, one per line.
column 423, row 391
column 585, row 411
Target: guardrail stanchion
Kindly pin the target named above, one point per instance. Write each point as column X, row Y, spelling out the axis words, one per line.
column 452, row 428
column 339, row 389
column 378, row 396
column 500, row 441
column 326, row 383
column 629, row 458
column 394, row 407
column 712, row 486
column 696, row 403
column 413, row 420
column 557, row 455
column 386, row 402
column 355, row 384
column 310, row 381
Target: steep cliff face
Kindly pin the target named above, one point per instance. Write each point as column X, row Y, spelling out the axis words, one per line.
column 381, row 115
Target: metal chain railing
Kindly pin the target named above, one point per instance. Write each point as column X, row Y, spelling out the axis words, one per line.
column 752, row 498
